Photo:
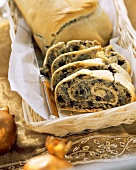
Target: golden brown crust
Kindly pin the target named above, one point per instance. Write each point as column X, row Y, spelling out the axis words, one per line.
column 54, row 21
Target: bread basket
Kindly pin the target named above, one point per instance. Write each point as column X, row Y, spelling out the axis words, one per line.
column 89, row 121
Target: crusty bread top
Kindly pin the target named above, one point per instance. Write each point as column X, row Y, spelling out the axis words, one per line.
column 63, row 11
column 49, row 16
column 64, row 20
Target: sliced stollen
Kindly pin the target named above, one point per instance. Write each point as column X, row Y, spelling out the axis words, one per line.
column 90, row 91
column 68, row 69
column 66, row 58
column 60, row 48
column 90, row 64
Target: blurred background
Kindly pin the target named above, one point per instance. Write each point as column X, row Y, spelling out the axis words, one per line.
column 127, row 164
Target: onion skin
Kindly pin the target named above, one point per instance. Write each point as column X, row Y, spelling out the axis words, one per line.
column 47, row 162
column 57, row 146
column 7, row 130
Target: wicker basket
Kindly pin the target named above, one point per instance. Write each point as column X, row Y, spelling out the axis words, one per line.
column 90, row 121
column 124, row 27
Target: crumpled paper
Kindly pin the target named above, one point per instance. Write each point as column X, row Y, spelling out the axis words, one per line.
column 24, row 70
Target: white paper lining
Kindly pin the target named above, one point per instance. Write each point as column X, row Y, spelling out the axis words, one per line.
column 23, row 67
column 24, row 72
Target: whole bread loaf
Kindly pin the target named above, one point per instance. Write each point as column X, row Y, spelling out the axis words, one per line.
column 64, row 20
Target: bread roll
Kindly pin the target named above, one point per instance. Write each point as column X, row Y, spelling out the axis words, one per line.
column 61, row 20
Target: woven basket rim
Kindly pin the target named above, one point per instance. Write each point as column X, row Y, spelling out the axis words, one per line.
column 62, row 126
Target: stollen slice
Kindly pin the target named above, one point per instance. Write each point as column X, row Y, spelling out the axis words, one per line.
column 60, row 48
column 91, row 91
column 91, row 64
column 68, row 69
column 66, row 58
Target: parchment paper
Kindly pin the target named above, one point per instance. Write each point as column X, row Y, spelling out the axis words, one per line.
column 23, row 67
column 24, row 71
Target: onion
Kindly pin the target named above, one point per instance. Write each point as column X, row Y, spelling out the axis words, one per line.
column 57, row 148
column 7, row 130
column 47, row 162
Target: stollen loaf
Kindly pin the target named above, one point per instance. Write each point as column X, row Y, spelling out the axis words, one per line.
column 64, row 20
column 90, row 91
